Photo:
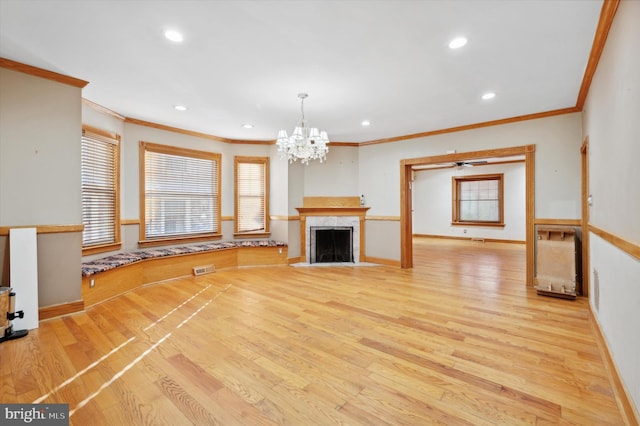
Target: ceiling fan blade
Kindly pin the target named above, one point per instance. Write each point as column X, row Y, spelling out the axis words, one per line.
column 463, row 164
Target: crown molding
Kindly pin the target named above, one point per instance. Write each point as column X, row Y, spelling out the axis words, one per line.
column 608, row 11
column 193, row 133
column 42, row 73
column 102, row 109
column 534, row 116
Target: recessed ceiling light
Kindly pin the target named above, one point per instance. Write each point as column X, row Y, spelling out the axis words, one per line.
column 366, row 123
column 247, row 126
column 457, row 42
column 174, row 36
column 488, row 95
column 180, row 108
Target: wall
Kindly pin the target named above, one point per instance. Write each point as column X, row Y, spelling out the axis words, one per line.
column 40, row 129
column 432, row 191
column 371, row 170
column 295, row 195
column 278, row 197
column 611, row 123
column 337, row 176
column 557, row 167
column 39, row 151
column 131, row 135
column 130, row 175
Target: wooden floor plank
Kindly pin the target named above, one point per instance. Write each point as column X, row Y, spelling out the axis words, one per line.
column 458, row 339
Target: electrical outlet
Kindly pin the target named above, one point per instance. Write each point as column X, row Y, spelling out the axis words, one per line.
column 464, row 231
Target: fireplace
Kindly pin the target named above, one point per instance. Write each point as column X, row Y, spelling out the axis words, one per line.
column 332, row 222
column 331, row 244
column 337, row 213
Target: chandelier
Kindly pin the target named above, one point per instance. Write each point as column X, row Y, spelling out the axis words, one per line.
column 306, row 143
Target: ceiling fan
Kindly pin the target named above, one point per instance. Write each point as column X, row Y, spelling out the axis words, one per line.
column 456, row 164
column 468, row 163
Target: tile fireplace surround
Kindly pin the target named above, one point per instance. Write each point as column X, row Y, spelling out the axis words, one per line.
column 333, row 211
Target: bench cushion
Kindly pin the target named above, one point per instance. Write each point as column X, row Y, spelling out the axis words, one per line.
column 121, row 259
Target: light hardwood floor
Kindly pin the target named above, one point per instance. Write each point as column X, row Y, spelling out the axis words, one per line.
column 459, row 339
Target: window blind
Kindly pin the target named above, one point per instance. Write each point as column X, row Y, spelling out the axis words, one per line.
column 251, row 197
column 180, row 193
column 99, row 170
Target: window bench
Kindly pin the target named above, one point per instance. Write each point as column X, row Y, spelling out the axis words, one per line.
column 110, row 276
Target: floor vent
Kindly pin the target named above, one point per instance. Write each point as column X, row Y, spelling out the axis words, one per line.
column 205, row 269
column 478, row 240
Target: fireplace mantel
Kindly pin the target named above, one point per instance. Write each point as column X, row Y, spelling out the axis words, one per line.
column 331, row 207
column 332, row 211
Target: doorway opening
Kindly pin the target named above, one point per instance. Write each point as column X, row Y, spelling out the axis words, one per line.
column 406, row 207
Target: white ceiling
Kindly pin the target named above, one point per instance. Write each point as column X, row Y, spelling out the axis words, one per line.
column 245, row 61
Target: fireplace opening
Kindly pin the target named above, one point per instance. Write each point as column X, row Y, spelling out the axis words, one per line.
column 331, row 244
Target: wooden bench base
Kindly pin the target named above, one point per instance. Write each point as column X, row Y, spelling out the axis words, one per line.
column 105, row 285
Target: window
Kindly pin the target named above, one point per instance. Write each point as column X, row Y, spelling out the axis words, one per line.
column 179, row 194
column 478, row 200
column 251, row 196
column 100, row 165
